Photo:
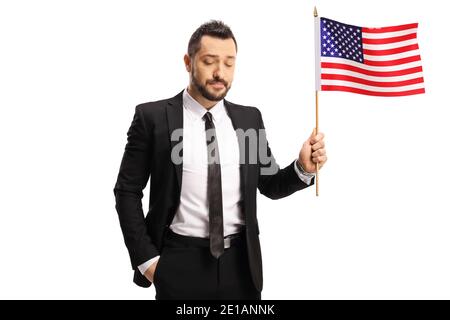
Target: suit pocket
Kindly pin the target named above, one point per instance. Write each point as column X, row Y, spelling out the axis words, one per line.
column 158, row 270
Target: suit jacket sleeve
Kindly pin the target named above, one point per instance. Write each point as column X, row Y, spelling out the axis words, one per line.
column 132, row 178
column 274, row 182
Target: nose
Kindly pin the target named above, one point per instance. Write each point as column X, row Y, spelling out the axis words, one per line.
column 218, row 72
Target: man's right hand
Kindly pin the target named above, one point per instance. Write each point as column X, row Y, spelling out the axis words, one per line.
column 150, row 272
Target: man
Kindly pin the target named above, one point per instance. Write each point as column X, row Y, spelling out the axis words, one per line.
column 205, row 157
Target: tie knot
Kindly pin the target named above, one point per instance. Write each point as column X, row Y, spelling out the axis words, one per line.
column 207, row 116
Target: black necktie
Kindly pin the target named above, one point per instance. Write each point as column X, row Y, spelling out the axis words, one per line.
column 214, row 193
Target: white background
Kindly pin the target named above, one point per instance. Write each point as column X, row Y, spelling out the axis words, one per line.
column 71, row 73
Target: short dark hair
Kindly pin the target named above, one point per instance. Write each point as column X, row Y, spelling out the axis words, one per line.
column 213, row 28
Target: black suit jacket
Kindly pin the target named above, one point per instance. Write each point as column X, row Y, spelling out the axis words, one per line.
column 148, row 154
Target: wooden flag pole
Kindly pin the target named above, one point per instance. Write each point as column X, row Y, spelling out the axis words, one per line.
column 316, row 34
column 316, row 131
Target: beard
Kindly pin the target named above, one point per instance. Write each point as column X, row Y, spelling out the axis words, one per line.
column 207, row 94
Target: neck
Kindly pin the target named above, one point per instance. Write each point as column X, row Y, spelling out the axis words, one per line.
column 205, row 103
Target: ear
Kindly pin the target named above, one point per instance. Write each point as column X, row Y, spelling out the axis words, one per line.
column 187, row 63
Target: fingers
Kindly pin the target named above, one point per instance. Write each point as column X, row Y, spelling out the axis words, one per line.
column 320, row 152
column 319, row 159
column 314, row 138
column 318, row 145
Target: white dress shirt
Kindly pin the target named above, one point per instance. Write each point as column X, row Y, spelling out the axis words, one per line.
column 191, row 217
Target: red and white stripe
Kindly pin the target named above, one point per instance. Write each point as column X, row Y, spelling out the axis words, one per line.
column 392, row 65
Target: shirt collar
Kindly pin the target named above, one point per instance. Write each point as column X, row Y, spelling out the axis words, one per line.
column 198, row 111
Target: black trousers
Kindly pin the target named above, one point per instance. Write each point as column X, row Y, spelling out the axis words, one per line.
column 186, row 270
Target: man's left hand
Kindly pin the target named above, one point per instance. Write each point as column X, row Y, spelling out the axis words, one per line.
column 312, row 152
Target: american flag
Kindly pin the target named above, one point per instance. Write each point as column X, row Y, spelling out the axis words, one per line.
column 371, row 61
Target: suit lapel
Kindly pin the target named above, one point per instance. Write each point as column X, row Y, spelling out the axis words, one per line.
column 238, row 122
column 175, row 121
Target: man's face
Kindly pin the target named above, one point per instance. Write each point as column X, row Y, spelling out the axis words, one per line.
column 212, row 69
